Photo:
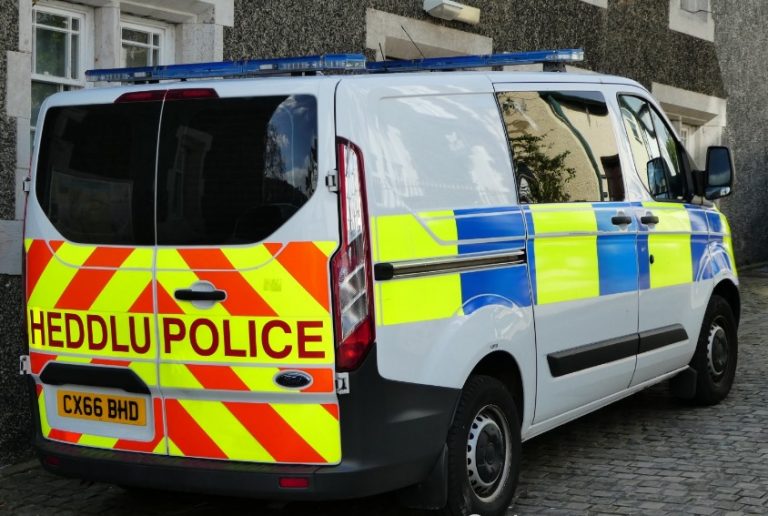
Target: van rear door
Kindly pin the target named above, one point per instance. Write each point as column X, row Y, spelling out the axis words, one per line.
column 244, row 317
column 89, row 275
column 178, row 259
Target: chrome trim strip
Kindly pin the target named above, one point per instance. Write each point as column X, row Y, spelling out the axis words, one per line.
column 426, row 267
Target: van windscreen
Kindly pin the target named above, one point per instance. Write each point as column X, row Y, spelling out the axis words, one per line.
column 227, row 170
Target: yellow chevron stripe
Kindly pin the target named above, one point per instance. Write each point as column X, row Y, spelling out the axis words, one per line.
column 226, row 431
column 45, row 427
column 57, row 276
column 122, row 291
column 260, row 379
column 316, row 426
column 282, row 292
column 173, row 449
column 97, row 441
column 177, row 376
column 250, row 257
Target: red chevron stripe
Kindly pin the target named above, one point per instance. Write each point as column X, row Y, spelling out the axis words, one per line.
column 87, row 283
column 165, row 303
column 38, row 360
column 110, row 362
column 274, row 433
column 217, row 377
column 38, row 258
column 146, row 446
column 144, row 304
column 308, row 265
column 242, row 299
column 333, row 409
column 323, row 380
column 63, row 435
column 187, row 434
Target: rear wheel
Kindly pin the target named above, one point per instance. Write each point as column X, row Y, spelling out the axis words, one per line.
column 483, row 450
column 716, row 353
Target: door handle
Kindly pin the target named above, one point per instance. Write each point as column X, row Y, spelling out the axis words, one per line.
column 621, row 220
column 187, row 294
column 649, row 219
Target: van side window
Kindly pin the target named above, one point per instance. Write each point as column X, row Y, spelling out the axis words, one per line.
column 563, row 146
column 654, row 149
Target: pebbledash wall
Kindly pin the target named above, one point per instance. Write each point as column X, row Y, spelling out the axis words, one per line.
column 14, row 414
column 703, row 59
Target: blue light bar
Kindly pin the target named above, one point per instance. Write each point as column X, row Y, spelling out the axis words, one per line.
column 479, row 61
column 248, row 68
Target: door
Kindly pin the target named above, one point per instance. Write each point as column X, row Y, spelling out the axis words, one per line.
column 674, row 279
column 89, row 277
column 178, row 250
column 244, row 316
column 581, row 244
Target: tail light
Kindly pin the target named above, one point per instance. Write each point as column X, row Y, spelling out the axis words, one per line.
column 351, row 266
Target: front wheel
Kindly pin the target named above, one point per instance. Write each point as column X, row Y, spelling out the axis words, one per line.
column 483, row 450
column 716, row 353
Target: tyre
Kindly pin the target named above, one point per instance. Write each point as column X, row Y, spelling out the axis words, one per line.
column 483, row 450
column 716, row 353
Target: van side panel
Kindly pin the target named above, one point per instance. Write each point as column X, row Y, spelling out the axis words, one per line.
column 441, row 189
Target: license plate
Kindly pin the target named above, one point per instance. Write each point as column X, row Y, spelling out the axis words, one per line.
column 109, row 408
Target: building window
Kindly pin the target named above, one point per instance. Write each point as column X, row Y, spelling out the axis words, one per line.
column 58, row 53
column 389, row 36
column 145, row 45
column 698, row 119
column 692, row 17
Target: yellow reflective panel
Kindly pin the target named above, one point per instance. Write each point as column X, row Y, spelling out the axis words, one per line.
column 316, row 426
column 93, row 334
column 122, row 291
column 177, row 376
column 672, row 261
column 226, row 431
column 420, row 299
column 404, row 237
column 563, row 218
column 673, row 217
column 566, row 268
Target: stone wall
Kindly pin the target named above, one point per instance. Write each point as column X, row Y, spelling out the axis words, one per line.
column 14, row 403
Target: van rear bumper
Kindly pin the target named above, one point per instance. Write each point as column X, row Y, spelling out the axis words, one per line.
column 392, row 434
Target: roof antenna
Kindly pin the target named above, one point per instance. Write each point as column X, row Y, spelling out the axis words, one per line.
column 413, row 42
column 383, row 57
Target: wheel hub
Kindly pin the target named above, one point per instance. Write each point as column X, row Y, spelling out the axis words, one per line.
column 488, row 449
column 717, row 350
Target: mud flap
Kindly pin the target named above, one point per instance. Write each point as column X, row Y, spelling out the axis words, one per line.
column 432, row 492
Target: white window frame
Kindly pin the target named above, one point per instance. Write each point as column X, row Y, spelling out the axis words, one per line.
column 699, row 24
column 85, row 53
column 706, row 114
column 167, row 33
column 433, row 40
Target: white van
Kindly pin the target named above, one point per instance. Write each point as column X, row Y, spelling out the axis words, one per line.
column 328, row 286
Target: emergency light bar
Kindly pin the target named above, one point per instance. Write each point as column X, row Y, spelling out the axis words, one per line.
column 479, row 61
column 248, row 68
column 327, row 63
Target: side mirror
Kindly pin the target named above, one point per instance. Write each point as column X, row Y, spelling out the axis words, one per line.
column 718, row 173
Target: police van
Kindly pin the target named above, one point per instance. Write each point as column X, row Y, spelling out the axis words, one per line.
column 326, row 278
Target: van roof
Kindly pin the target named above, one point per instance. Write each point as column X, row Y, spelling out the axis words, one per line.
column 108, row 93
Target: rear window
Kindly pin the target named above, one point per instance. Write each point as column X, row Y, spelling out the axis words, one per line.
column 227, row 171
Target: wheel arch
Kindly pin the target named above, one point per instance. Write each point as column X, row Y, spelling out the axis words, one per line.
column 503, row 366
column 728, row 290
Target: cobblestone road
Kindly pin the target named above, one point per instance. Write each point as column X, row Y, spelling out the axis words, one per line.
column 646, row 455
